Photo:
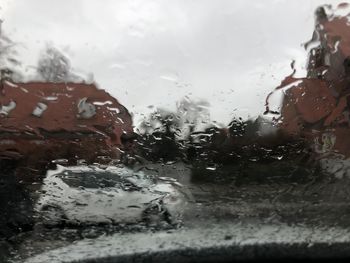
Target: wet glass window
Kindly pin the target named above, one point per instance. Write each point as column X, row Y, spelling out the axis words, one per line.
column 171, row 131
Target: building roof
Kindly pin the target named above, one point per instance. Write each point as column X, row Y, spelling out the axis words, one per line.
column 39, row 108
column 336, row 33
column 334, row 54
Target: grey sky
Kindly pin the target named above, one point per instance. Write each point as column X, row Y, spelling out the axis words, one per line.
column 229, row 52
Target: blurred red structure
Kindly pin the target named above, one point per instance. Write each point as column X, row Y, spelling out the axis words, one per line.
column 40, row 122
column 317, row 107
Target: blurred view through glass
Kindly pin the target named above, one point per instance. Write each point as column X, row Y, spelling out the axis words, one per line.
column 131, row 118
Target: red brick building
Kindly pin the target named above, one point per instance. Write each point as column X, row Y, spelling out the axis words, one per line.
column 317, row 107
column 44, row 121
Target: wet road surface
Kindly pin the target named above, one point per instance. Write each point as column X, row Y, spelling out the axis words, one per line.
column 216, row 198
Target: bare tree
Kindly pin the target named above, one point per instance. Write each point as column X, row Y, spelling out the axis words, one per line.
column 9, row 63
column 164, row 134
column 53, row 65
column 194, row 116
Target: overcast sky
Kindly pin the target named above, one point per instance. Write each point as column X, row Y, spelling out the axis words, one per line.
column 154, row 52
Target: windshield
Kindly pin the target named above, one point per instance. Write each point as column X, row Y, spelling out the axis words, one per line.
column 174, row 131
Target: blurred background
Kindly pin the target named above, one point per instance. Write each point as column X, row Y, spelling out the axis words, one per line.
column 153, row 53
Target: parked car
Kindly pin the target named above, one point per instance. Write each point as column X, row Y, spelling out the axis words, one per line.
column 94, row 195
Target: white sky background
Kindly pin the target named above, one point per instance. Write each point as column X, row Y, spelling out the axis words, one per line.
column 229, row 52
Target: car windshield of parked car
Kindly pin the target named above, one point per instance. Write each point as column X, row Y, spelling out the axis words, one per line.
column 170, row 131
